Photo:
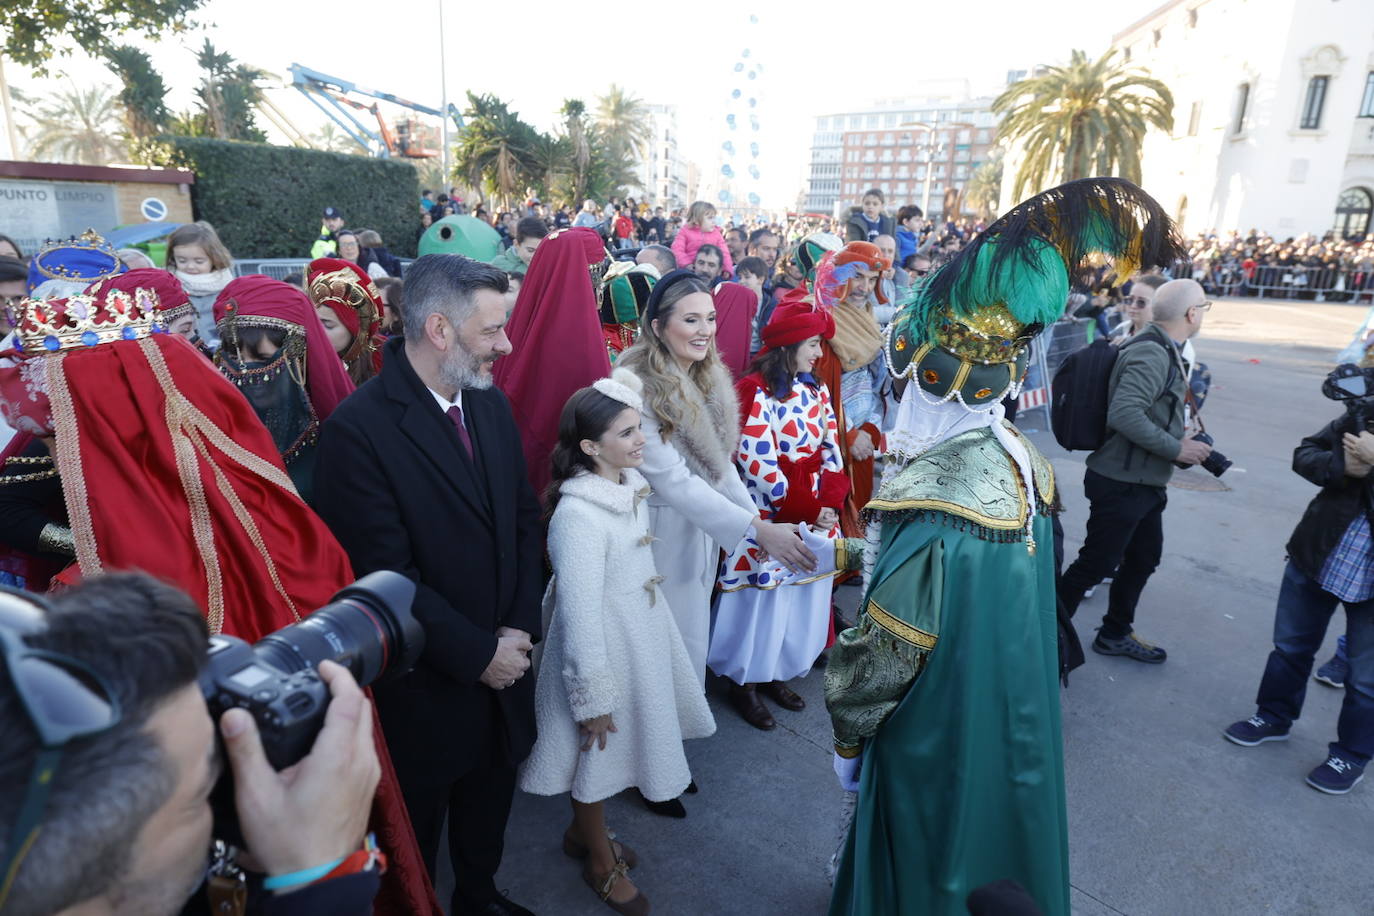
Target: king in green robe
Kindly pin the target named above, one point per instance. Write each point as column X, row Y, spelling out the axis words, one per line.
column 949, row 687
column 945, row 695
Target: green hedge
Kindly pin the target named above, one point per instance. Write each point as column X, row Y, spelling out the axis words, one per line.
column 265, row 201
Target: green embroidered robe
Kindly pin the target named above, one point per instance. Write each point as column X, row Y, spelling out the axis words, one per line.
column 949, row 687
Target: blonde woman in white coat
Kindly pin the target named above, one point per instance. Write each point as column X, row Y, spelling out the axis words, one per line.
column 617, row 693
column 691, row 425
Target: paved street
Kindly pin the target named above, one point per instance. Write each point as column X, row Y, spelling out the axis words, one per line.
column 1165, row 816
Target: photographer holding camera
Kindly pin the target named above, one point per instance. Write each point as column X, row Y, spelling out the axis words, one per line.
column 1330, row 561
column 1147, row 434
column 109, row 759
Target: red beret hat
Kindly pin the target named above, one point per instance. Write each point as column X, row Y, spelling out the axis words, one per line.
column 793, row 322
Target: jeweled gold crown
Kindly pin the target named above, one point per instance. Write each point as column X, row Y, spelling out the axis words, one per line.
column 346, row 287
column 990, row 335
column 81, row 257
column 45, row 326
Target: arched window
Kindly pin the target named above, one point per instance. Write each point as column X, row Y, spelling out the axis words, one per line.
column 1354, row 212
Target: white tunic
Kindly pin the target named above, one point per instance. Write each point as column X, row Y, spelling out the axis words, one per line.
column 764, row 631
column 612, row 648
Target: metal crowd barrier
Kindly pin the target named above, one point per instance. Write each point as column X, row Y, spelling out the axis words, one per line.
column 1274, row 281
column 276, row 268
column 280, row 268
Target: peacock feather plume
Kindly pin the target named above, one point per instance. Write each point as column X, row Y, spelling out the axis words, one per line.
column 1022, row 262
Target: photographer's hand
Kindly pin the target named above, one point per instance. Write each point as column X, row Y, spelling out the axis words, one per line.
column 1362, row 446
column 509, row 664
column 1193, row 451
column 315, row 811
column 1355, row 466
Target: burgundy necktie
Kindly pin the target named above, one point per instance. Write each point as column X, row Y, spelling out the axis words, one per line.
column 455, row 413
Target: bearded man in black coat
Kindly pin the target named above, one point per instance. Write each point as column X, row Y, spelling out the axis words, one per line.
column 421, row 471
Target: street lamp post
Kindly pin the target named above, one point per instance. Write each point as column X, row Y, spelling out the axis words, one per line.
column 443, row 90
column 930, row 146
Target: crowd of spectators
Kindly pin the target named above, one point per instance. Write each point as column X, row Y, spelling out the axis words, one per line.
column 1255, row 263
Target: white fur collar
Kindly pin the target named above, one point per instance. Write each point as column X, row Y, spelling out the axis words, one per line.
column 613, row 497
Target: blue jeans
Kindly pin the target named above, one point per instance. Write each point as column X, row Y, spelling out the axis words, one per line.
column 1300, row 621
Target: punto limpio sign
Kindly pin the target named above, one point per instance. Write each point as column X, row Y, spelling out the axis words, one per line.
column 43, row 200
column 36, row 210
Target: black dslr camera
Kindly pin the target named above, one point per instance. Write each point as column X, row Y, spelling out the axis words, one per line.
column 1216, row 463
column 367, row 627
column 1354, row 387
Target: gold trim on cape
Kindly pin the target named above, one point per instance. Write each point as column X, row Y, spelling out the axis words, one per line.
column 987, row 521
column 900, row 628
column 192, row 487
column 183, row 418
column 67, row 457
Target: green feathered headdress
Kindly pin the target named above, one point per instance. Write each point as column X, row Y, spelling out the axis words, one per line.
column 994, row 296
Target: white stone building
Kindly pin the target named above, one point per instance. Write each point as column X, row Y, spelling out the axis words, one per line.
column 832, row 184
column 662, row 172
column 1273, row 113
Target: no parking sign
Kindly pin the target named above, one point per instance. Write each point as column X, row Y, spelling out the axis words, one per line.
column 153, row 209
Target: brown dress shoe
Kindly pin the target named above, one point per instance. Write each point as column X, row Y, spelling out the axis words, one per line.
column 604, row 885
column 783, row 695
column 747, row 701
column 574, row 848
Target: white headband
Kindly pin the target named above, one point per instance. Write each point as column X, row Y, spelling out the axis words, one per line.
column 616, row 389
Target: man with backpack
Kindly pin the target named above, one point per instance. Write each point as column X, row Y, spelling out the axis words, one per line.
column 1141, row 440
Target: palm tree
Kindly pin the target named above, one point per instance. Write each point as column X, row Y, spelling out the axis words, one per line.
column 624, row 122
column 79, row 125
column 228, row 93
column 496, row 149
column 575, row 129
column 1087, row 118
column 333, row 140
column 550, row 160
column 610, row 169
column 144, row 93
column 984, row 188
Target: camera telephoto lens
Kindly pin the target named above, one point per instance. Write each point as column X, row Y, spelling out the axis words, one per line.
column 368, row 628
column 1216, row 464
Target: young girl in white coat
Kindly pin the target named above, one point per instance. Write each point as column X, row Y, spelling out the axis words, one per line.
column 699, row 505
column 617, row 693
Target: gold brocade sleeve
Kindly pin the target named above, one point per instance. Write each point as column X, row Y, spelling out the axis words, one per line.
column 869, row 671
column 57, row 539
column 849, row 554
column 873, row 665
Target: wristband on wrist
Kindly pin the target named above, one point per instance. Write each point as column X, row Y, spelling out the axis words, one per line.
column 304, row 876
column 369, row 858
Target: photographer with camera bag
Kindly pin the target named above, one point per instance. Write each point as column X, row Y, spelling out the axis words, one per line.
column 1330, row 561
column 1127, row 475
column 110, row 756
